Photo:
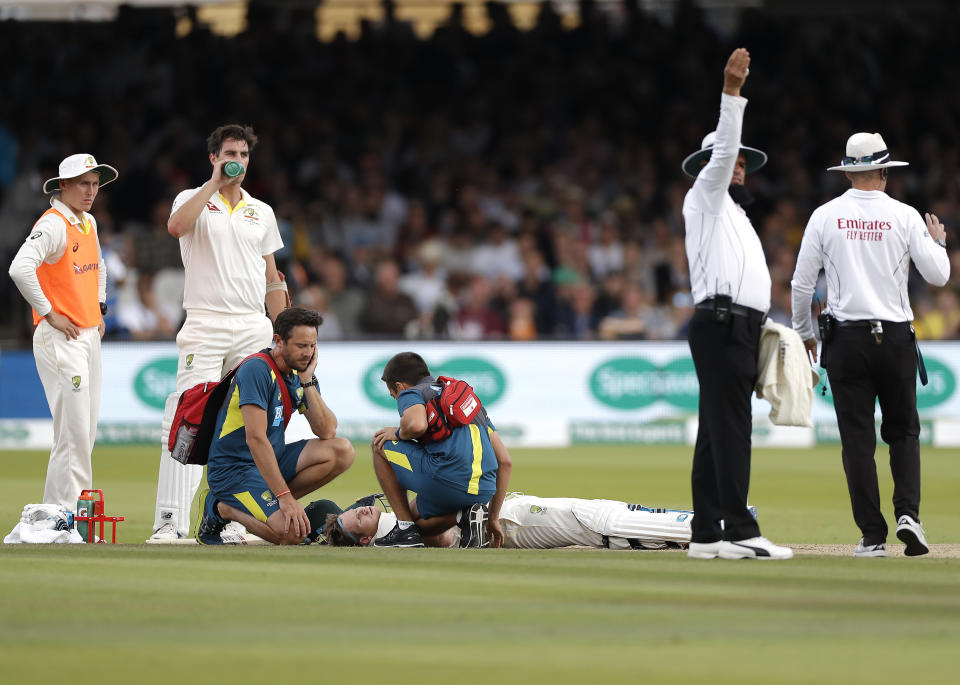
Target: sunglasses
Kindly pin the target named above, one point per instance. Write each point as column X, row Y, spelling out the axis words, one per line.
column 874, row 158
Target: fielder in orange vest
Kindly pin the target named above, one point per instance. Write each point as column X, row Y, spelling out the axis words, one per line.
column 59, row 270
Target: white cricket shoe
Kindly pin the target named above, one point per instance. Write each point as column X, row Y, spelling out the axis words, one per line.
column 244, row 538
column 862, row 550
column 233, row 531
column 167, row 534
column 911, row 534
column 753, row 548
column 703, row 550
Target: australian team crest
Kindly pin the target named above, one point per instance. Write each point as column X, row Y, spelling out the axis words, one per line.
column 76, row 382
column 189, row 360
column 537, row 509
column 266, row 495
column 251, row 213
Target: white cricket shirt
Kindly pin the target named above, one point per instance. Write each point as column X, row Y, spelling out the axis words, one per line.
column 864, row 241
column 723, row 250
column 46, row 242
column 223, row 255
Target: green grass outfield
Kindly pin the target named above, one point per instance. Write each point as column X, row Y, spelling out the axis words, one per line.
column 143, row 614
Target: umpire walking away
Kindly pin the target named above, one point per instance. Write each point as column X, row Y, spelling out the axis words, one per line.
column 864, row 241
column 731, row 288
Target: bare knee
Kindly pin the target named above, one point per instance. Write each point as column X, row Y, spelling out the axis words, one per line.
column 343, row 454
column 289, row 539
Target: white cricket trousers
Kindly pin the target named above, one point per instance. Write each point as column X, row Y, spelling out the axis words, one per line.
column 209, row 346
column 70, row 373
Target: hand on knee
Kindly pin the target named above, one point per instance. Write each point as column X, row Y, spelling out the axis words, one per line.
column 289, row 539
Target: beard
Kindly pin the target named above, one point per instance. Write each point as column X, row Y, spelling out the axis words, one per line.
column 741, row 195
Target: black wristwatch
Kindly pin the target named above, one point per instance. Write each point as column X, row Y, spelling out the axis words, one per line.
column 103, row 309
column 312, row 383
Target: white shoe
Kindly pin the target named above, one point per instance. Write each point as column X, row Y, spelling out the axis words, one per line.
column 911, row 534
column 244, row 538
column 703, row 550
column 862, row 550
column 233, row 530
column 753, row 548
column 167, row 534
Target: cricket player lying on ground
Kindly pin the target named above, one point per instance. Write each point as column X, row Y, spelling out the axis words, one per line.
column 530, row 522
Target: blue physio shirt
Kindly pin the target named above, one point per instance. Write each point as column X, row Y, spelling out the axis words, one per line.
column 254, row 383
column 465, row 459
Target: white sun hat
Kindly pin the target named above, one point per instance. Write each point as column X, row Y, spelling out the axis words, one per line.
column 866, row 152
column 78, row 165
column 691, row 165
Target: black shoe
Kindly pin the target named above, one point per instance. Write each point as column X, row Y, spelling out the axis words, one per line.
column 408, row 537
column 473, row 526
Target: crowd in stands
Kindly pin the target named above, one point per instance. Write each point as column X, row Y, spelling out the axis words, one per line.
column 515, row 185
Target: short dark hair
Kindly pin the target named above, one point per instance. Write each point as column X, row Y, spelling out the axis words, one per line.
column 406, row 367
column 231, row 132
column 292, row 317
column 334, row 534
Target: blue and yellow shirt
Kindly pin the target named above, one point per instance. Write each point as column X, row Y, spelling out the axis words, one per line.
column 453, row 458
column 254, row 383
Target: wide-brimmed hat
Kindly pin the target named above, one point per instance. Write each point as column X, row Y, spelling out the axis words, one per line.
column 78, row 165
column 691, row 165
column 866, row 152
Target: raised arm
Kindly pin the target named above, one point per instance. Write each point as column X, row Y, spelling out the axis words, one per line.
column 183, row 219
column 714, row 179
column 927, row 252
column 277, row 298
column 322, row 420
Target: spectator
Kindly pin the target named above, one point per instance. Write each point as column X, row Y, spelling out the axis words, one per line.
column 345, row 300
column 387, row 311
column 420, row 152
column 629, row 322
column 143, row 318
column 497, row 255
column 476, row 319
column 314, row 298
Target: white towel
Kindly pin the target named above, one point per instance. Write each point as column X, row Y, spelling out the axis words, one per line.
column 786, row 379
column 44, row 524
column 40, row 533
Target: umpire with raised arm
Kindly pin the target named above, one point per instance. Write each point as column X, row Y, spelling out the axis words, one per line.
column 864, row 241
column 731, row 288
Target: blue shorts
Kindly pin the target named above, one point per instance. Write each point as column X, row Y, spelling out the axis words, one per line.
column 415, row 471
column 240, row 485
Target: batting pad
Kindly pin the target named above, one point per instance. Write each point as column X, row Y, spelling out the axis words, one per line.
column 616, row 520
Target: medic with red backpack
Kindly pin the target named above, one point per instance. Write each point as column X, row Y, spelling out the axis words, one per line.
column 446, row 450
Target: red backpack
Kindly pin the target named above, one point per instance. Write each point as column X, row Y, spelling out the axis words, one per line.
column 456, row 405
column 195, row 420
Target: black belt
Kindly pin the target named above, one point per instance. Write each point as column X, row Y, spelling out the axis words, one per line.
column 868, row 323
column 735, row 309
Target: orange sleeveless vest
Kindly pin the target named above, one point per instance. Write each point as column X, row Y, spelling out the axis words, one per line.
column 71, row 284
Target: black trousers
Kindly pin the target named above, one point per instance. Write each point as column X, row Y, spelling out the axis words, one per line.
column 725, row 357
column 860, row 372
